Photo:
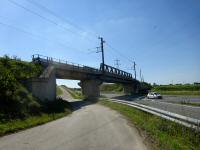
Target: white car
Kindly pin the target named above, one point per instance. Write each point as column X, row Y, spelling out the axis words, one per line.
column 154, row 95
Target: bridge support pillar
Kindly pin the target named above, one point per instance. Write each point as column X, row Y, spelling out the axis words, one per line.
column 43, row 88
column 90, row 88
column 130, row 89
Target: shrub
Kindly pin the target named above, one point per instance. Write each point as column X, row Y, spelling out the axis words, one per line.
column 34, row 108
column 15, row 100
column 8, row 83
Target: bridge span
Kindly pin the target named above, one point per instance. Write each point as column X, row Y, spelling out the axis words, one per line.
column 44, row 87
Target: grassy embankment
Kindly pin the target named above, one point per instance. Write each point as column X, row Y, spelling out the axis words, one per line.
column 74, row 94
column 191, row 89
column 163, row 134
column 18, row 108
column 111, row 88
column 58, row 91
column 119, row 89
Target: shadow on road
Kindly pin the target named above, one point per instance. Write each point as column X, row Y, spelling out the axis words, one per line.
column 128, row 97
column 76, row 105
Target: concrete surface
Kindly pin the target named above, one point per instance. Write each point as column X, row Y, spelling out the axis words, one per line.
column 91, row 88
column 90, row 78
column 90, row 127
column 168, row 103
column 44, row 88
column 189, row 111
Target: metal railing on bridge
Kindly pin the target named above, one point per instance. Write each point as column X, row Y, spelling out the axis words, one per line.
column 107, row 69
column 50, row 60
column 115, row 71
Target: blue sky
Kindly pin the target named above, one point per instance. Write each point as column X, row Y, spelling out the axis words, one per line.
column 162, row 36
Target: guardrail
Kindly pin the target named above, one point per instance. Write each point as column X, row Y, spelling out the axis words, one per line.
column 183, row 120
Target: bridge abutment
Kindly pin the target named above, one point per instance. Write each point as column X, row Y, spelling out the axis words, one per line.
column 91, row 88
column 44, row 88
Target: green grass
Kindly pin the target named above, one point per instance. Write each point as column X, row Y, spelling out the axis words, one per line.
column 190, row 89
column 51, row 111
column 16, row 125
column 191, row 93
column 58, row 91
column 20, row 69
column 162, row 133
column 187, row 87
column 117, row 88
column 19, row 109
column 15, row 100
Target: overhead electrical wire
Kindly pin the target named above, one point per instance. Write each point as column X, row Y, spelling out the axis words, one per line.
column 32, row 12
column 37, row 36
column 53, row 22
column 115, row 51
column 42, row 17
column 44, row 8
column 64, row 20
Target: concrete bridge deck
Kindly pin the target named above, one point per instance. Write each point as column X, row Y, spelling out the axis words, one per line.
column 91, row 78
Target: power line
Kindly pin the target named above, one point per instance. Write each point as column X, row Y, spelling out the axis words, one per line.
column 36, row 35
column 61, row 18
column 58, row 16
column 120, row 53
column 42, row 17
column 55, row 23
column 32, row 12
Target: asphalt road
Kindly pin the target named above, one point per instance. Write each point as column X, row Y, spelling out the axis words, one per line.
column 168, row 103
column 90, row 127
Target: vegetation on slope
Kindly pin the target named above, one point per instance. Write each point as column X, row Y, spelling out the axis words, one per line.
column 74, row 94
column 15, row 100
column 164, row 134
column 58, row 91
column 18, row 108
column 116, row 88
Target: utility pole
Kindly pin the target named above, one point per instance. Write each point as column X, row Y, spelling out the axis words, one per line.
column 134, row 67
column 102, row 51
column 142, row 78
column 141, row 75
column 117, row 64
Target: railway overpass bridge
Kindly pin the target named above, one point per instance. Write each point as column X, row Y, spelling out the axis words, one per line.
column 44, row 87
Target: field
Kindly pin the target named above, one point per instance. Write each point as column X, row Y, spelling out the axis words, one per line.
column 189, row 89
